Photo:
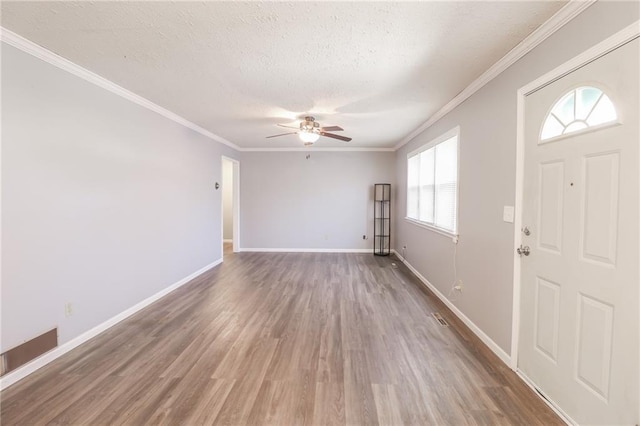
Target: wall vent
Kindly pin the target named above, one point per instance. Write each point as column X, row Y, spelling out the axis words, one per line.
column 20, row 355
column 3, row 364
column 440, row 320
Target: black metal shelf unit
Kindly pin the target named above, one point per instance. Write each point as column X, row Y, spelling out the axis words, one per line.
column 382, row 219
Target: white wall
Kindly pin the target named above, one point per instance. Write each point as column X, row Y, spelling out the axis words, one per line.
column 227, row 199
column 487, row 177
column 324, row 202
column 104, row 203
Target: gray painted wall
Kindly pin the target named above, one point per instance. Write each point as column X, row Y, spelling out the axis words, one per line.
column 324, row 202
column 487, row 177
column 227, row 199
column 104, row 203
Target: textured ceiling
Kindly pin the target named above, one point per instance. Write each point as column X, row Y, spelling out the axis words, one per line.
column 378, row 69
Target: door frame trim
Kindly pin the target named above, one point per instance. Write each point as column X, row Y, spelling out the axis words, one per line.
column 616, row 40
column 236, row 205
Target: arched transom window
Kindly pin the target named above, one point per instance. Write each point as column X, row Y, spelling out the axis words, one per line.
column 579, row 109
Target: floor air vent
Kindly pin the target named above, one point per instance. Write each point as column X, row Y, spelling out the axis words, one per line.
column 441, row 320
column 20, row 355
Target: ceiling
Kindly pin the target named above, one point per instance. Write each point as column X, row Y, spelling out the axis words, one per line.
column 377, row 69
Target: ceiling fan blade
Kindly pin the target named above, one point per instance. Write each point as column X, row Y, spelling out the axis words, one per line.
column 331, row 135
column 282, row 134
column 288, row 127
column 331, row 129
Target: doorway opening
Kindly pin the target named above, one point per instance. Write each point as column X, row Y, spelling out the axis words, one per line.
column 230, row 205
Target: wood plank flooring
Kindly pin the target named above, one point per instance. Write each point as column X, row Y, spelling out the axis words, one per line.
column 282, row 339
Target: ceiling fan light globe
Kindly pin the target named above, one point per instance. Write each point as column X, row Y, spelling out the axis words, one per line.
column 309, row 137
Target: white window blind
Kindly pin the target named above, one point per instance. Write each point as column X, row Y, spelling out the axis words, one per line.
column 413, row 186
column 432, row 183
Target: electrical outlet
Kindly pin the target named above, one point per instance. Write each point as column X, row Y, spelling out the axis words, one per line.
column 68, row 309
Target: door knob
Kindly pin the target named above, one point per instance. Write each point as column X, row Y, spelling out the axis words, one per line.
column 523, row 250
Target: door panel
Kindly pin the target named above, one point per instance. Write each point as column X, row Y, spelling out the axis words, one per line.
column 600, row 208
column 593, row 354
column 551, row 206
column 579, row 327
column 547, row 317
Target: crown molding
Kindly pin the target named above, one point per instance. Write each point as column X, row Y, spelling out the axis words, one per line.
column 40, row 52
column 544, row 31
column 553, row 24
column 318, row 149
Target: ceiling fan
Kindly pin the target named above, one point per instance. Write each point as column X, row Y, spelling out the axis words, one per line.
column 310, row 131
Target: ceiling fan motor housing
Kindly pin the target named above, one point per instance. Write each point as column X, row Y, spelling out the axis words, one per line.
column 309, row 125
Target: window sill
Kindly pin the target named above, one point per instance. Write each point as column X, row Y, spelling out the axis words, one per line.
column 432, row 228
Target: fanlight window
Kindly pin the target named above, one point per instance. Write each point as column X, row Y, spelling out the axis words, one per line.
column 579, row 109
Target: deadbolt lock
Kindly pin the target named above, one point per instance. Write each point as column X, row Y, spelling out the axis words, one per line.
column 525, row 231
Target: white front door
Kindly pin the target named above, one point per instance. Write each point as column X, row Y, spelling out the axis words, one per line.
column 579, row 332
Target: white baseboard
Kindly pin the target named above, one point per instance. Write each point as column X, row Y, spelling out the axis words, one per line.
column 306, row 250
column 44, row 359
column 556, row 409
column 472, row 326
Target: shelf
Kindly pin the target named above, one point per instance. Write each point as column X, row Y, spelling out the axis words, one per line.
column 382, row 219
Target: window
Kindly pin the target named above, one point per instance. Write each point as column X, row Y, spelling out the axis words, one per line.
column 579, row 109
column 432, row 183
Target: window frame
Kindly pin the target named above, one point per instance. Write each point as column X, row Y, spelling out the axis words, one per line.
column 455, row 132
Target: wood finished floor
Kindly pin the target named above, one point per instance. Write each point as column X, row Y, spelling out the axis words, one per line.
column 282, row 339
